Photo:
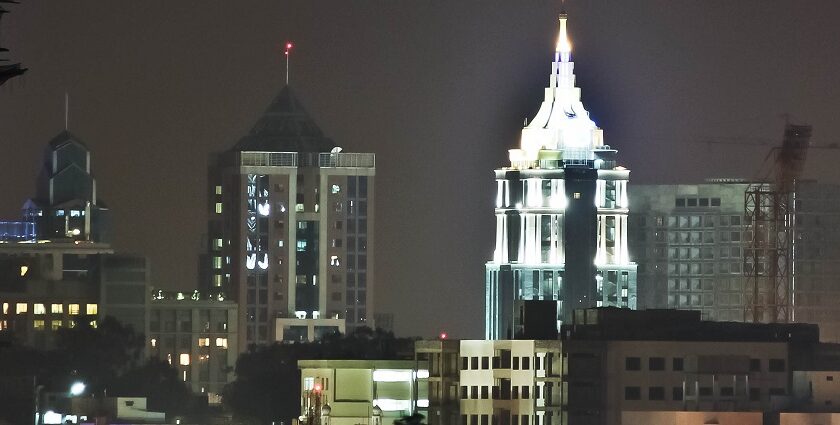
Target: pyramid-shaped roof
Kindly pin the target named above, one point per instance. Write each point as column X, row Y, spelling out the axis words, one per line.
column 63, row 138
column 285, row 127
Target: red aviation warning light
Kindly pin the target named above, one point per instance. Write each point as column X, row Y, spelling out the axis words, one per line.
column 443, row 335
column 288, row 47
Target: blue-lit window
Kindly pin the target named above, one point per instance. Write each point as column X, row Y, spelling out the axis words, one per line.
column 59, row 213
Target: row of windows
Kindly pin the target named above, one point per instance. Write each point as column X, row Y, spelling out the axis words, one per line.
column 677, row 393
column 692, row 221
column 40, row 308
column 202, row 342
column 41, row 325
column 483, row 363
column 485, row 420
column 678, row 364
column 484, row 392
column 697, row 202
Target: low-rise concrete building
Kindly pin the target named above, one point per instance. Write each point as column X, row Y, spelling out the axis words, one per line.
column 352, row 392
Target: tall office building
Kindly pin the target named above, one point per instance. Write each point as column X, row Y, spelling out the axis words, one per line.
column 689, row 242
column 66, row 205
column 561, row 217
column 291, row 229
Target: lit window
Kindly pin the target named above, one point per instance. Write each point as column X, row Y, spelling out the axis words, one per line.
column 23, row 270
column 184, row 359
column 59, row 213
column 335, row 189
column 299, row 208
column 577, row 195
column 56, row 309
column 5, row 308
column 72, row 324
column 204, row 342
column 154, row 342
column 218, row 190
column 169, row 358
column 217, row 280
column 93, row 324
column 217, row 262
column 39, row 309
column 334, row 261
column 73, row 309
column 218, row 207
column 75, row 213
column 39, row 325
column 4, row 325
column 92, row 309
column 221, row 342
column 217, row 243
column 56, row 325
column 280, row 243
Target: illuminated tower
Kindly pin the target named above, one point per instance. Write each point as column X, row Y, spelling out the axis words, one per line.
column 291, row 229
column 561, row 217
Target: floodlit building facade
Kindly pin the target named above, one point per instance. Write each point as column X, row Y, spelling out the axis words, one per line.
column 351, row 392
column 291, row 227
column 561, row 216
column 689, row 242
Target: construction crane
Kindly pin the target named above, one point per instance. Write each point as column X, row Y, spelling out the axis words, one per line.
column 769, row 214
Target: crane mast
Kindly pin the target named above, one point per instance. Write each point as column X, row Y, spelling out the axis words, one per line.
column 769, row 208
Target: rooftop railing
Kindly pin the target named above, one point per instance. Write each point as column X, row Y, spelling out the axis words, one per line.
column 294, row 159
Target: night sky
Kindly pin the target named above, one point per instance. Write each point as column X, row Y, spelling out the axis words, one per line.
column 438, row 89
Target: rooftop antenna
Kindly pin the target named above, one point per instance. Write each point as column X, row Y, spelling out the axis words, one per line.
column 289, row 46
column 66, row 111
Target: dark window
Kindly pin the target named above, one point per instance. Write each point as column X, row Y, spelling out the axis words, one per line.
column 727, row 391
column 495, row 391
column 715, row 202
column 526, row 363
column 632, row 363
column 484, row 392
column 474, row 363
column 496, row 362
column 656, row 393
column 704, row 202
column 473, row 419
column 677, row 364
column 777, row 391
column 526, row 391
column 705, row 391
column 680, row 202
column 656, row 363
column 777, row 365
column 485, row 363
column 677, row 394
column 755, row 365
column 464, row 392
column 465, row 363
column 516, row 363
column 525, row 419
column 474, row 392
column 514, row 393
column 632, row 393
column 829, row 378
column 485, row 420
column 755, row 394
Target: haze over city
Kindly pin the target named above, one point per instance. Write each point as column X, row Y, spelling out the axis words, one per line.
column 438, row 90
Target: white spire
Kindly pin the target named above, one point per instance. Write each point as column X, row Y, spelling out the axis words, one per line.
column 564, row 47
column 562, row 123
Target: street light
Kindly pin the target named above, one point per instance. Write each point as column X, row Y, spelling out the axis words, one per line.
column 77, row 389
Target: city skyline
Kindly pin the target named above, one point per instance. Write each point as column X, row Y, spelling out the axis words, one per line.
column 439, row 115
